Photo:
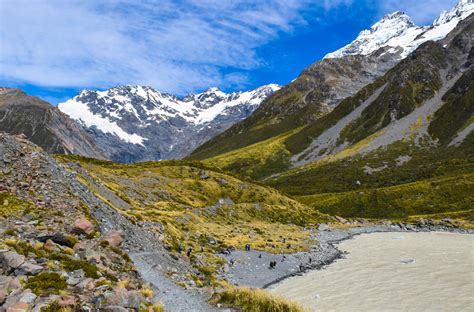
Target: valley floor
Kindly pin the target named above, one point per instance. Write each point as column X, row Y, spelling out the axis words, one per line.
column 251, row 268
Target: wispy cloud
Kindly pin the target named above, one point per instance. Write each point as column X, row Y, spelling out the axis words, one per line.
column 177, row 46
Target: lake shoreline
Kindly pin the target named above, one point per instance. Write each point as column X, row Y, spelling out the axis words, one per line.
column 250, row 267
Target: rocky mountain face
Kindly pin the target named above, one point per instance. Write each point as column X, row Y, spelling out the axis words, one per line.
column 134, row 123
column 403, row 102
column 323, row 85
column 43, row 124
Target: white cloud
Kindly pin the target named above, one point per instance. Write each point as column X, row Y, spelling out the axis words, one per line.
column 176, row 46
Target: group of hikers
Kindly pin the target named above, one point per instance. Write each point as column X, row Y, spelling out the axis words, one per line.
column 273, row 263
column 228, row 251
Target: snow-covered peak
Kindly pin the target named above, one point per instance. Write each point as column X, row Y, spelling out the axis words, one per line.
column 463, row 9
column 140, row 107
column 391, row 26
column 399, row 34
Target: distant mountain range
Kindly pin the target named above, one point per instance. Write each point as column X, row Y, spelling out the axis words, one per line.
column 382, row 128
column 135, row 123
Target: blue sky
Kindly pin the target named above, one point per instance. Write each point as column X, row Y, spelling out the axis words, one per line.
column 55, row 48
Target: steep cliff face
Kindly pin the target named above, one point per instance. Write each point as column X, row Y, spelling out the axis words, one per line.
column 44, row 125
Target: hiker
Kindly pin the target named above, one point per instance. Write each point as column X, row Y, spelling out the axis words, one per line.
column 232, row 262
column 188, row 253
column 310, row 260
column 247, row 247
column 260, row 256
column 272, row 264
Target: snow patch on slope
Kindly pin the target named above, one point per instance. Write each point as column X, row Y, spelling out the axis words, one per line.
column 80, row 112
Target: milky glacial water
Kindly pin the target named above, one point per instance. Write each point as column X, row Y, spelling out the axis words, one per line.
column 391, row 272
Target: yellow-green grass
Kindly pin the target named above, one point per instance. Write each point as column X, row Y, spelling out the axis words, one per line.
column 256, row 300
column 257, row 160
column 11, row 205
column 202, row 208
column 432, row 196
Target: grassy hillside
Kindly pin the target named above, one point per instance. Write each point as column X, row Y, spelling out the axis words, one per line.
column 393, row 182
column 195, row 206
column 286, row 124
column 458, row 111
column 257, row 160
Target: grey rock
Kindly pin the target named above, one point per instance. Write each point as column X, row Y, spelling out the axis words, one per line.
column 75, row 277
column 114, row 309
column 125, row 298
column 28, row 268
column 27, row 297
column 11, row 260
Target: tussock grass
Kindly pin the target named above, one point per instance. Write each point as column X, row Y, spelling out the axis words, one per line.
column 256, row 300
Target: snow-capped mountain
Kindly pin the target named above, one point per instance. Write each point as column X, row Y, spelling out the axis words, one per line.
column 134, row 123
column 399, row 35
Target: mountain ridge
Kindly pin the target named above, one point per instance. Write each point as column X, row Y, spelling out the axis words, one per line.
column 44, row 124
column 398, row 33
column 128, row 120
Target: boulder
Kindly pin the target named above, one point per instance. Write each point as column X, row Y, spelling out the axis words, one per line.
column 11, row 260
column 50, row 246
column 75, row 277
column 18, row 307
column 67, row 301
column 27, row 297
column 15, row 284
column 115, row 309
column 3, row 295
column 115, row 238
column 82, row 226
column 124, row 298
column 340, row 219
column 323, row 227
column 5, row 282
column 28, row 268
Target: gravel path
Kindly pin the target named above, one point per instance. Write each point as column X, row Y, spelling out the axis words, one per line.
column 174, row 297
column 151, row 259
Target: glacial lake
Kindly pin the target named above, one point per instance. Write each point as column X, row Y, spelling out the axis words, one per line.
column 391, row 272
